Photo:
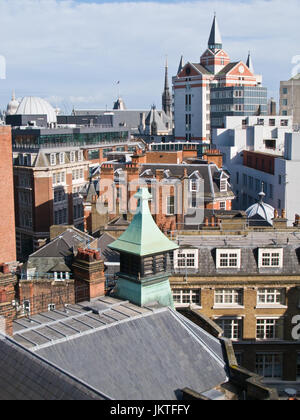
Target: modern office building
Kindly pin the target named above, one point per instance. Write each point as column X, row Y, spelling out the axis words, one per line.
column 52, row 164
column 262, row 150
column 206, row 92
column 290, row 99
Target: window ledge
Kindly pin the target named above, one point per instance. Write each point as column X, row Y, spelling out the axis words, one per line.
column 270, row 306
column 222, row 306
column 187, row 305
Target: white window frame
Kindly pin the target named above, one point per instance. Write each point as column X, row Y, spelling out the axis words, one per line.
column 61, row 158
column 51, row 307
column 222, row 205
column 228, row 298
column 270, row 254
column 189, row 255
column 53, row 159
column 220, row 261
column 223, row 188
column 235, row 325
column 72, row 156
column 186, row 297
column 59, row 178
column 271, row 297
column 270, row 327
column 194, row 183
column 80, row 155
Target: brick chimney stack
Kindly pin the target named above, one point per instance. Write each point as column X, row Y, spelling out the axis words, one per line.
column 214, row 156
column 7, row 296
column 88, row 271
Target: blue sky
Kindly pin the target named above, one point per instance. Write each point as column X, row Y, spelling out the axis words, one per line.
column 73, row 52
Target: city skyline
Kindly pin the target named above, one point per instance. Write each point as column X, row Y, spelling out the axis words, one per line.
column 81, row 68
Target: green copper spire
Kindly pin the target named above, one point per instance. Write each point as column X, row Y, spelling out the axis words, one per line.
column 143, row 248
column 143, row 236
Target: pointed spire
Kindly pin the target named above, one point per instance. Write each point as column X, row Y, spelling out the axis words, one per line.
column 166, row 75
column 215, row 39
column 181, row 64
column 143, row 236
column 166, row 96
column 13, row 97
column 250, row 63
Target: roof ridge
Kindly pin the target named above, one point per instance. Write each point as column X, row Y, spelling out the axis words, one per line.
column 185, row 322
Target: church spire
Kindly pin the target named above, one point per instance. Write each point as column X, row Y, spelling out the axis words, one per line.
column 181, row 64
column 250, row 63
column 215, row 39
column 166, row 96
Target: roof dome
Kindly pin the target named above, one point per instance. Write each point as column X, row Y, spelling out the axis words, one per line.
column 31, row 105
column 12, row 106
column 261, row 213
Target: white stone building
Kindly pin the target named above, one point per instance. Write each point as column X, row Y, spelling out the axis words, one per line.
column 262, row 150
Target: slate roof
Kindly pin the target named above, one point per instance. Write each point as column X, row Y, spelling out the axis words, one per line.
column 125, row 351
column 58, row 252
column 63, row 244
column 26, row 376
column 210, row 173
column 160, row 118
column 107, row 254
column 249, row 246
column 227, row 68
column 201, row 69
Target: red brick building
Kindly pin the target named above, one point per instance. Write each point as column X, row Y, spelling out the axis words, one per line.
column 179, row 183
column 7, row 221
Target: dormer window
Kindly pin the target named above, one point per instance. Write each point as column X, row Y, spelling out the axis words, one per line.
column 61, row 158
column 53, row 159
column 72, row 157
column 194, row 185
column 186, row 258
column 270, row 258
column 228, row 258
column 80, row 156
column 223, row 185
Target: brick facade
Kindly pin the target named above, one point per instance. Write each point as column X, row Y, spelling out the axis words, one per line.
column 7, row 221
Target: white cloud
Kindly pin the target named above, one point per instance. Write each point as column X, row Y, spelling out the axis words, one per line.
column 76, row 52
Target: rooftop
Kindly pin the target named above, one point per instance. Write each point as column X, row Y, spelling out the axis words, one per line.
column 124, row 351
